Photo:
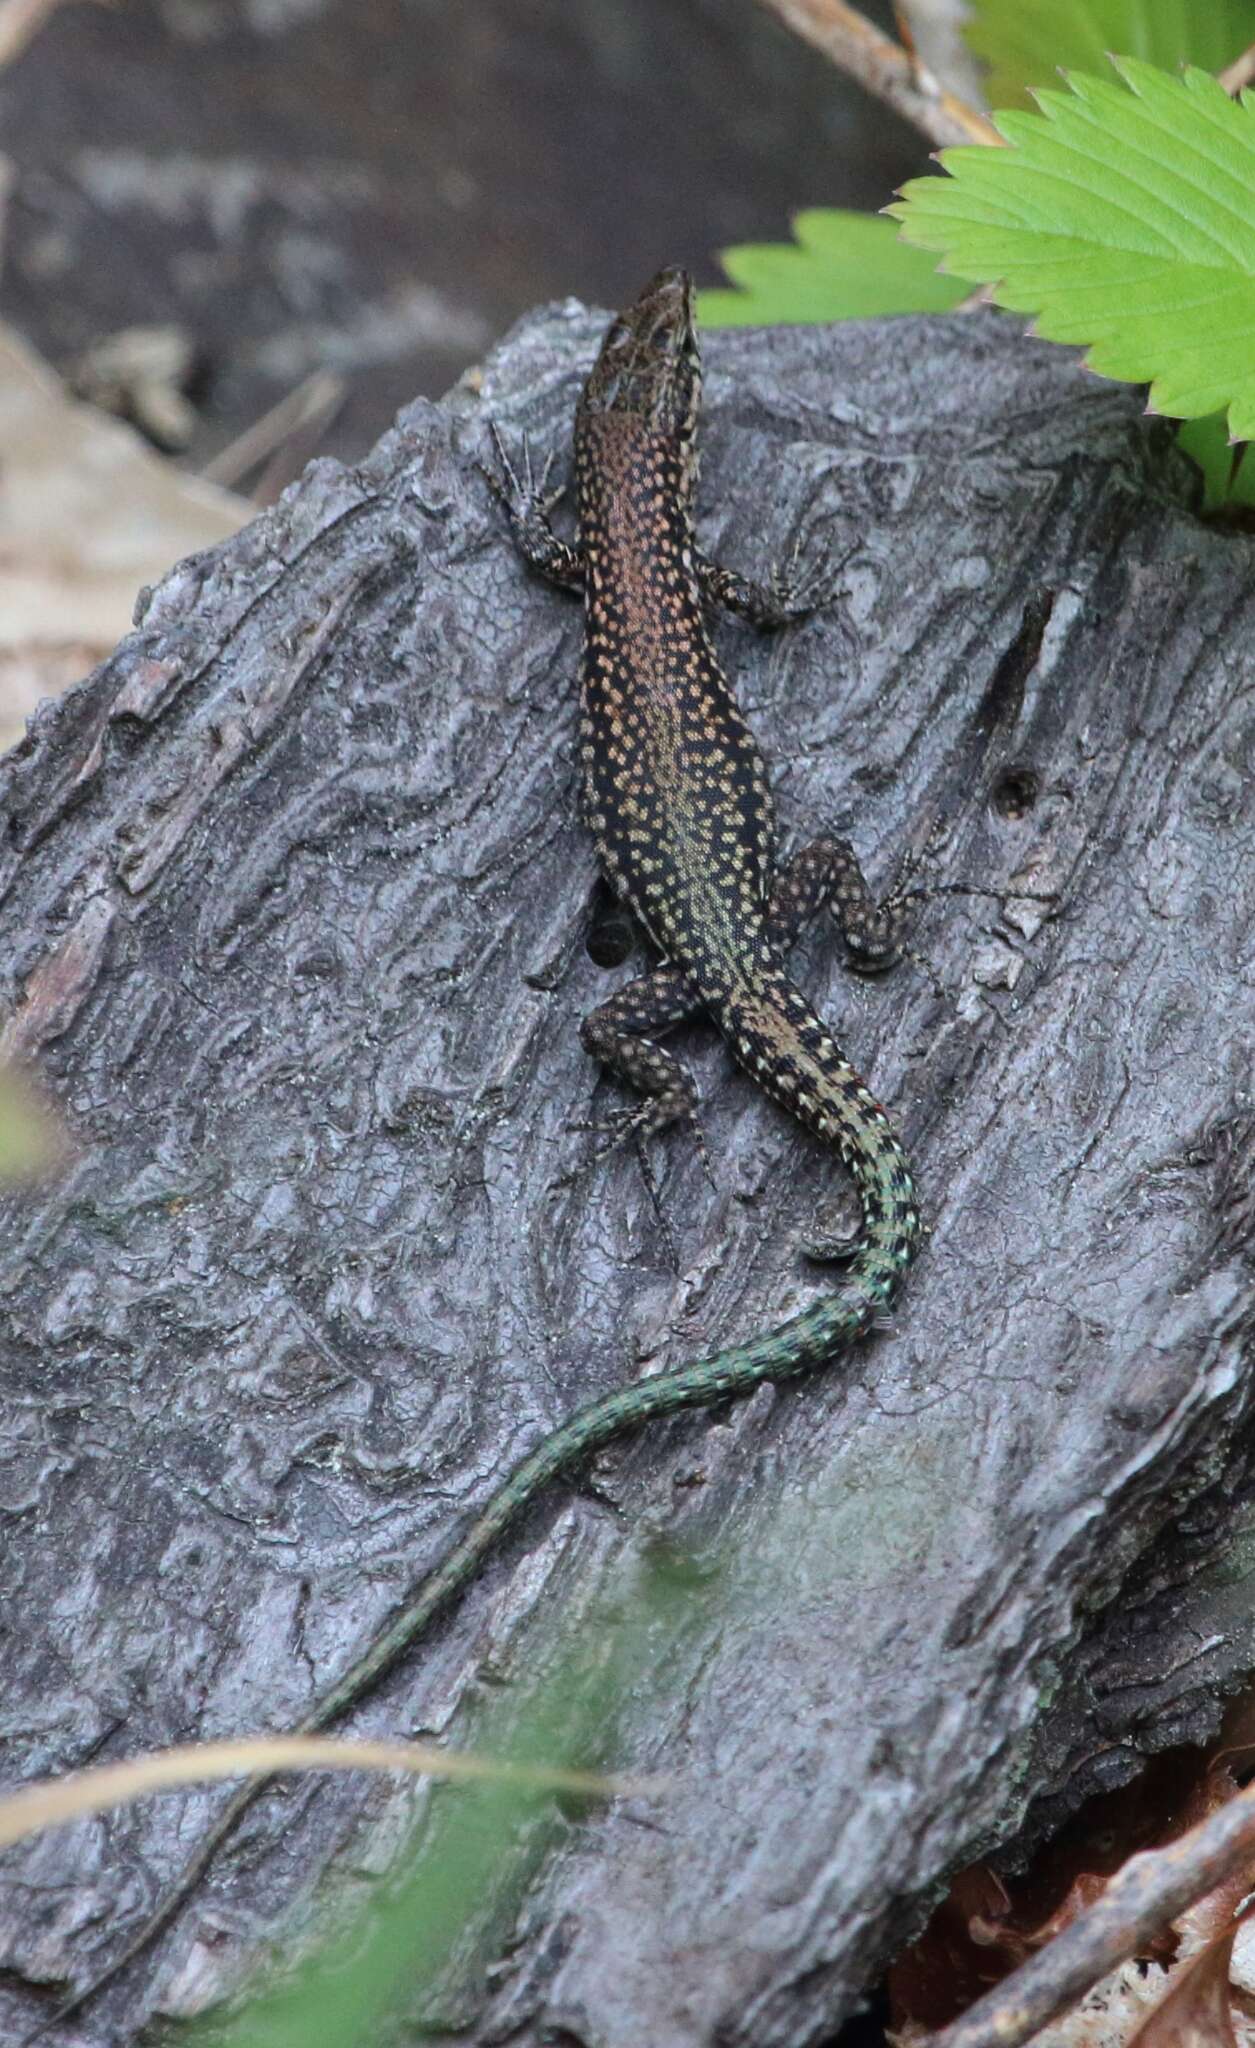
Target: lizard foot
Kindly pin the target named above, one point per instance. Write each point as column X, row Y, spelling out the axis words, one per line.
column 636, row 1125
column 528, row 503
column 798, row 586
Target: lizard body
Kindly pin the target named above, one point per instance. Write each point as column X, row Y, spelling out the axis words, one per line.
column 678, row 800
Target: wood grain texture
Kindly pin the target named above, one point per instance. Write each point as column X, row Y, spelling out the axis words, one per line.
column 293, row 909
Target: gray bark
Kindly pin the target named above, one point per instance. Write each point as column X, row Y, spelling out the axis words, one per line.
column 293, row 910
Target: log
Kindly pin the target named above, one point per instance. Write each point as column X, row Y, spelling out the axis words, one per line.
column 297, row 924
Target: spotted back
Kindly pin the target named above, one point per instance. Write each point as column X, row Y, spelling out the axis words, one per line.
column 676, row 790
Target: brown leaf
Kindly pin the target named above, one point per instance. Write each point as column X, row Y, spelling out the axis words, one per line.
column 1196, row 2012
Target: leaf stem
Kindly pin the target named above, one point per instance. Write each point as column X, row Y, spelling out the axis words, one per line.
column 1237, row 76
column 884, row 68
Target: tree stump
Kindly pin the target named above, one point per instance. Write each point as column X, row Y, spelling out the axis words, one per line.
column 298, row 923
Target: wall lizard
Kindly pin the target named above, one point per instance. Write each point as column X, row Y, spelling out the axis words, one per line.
column 677, row 797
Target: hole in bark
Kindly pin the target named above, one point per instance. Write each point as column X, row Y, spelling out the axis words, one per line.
column 611, row 936
column 1015, row 792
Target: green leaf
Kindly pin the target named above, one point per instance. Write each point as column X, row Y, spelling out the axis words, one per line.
column 842, row 266
column 1122, row 220
column 417, row 1942
column 1228, row 471
column 1026, row 42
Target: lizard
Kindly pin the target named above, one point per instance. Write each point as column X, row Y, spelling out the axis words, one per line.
column 677, row 797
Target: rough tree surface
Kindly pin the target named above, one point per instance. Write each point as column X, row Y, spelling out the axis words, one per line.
column 295, row 922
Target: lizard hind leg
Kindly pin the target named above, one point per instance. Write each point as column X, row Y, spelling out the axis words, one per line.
column 618, row 1033
column 827, row 871
column 828, row 1245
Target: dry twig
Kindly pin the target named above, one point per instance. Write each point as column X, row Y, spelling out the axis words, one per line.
column 306, row 410
column 52, row 1802
column 883, row 67
column 1148, row 1892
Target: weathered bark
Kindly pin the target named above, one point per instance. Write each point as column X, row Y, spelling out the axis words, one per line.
column 293, row 907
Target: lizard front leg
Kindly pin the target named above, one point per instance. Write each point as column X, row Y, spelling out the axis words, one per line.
column 528, row 504
column 789, row 593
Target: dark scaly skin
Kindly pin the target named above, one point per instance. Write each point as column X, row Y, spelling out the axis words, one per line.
column 677, row 797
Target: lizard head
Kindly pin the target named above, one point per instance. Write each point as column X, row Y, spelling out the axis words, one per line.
column 650, row 366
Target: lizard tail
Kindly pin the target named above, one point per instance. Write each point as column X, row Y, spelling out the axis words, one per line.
column 807, row 1340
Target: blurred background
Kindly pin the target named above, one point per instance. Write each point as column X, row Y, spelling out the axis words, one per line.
column 253, row 229
column 377, row 188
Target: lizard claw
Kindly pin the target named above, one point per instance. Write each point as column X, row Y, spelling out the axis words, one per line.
column 502, row 480
column 528, row 501
column 797, row 587
column 636, row 1125
column 614, row 1131
column 523, row 496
